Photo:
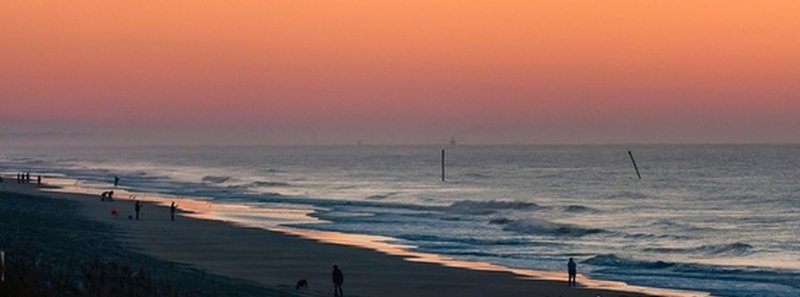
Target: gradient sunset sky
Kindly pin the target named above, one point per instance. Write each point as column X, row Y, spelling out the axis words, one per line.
column 400, row 72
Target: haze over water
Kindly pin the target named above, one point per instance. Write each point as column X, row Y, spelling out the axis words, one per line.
column 718, row 218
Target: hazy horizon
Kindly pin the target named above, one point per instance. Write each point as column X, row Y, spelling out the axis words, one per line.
column 76, row 139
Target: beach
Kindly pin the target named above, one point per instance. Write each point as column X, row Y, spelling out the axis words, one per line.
column 50, row 248
column 278, row 260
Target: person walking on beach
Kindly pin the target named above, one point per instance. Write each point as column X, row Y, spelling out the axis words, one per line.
column 172, row 210
column 116, row 181
column 338, row 279
column 28, row 177
column 39, row 180
column 137, row 207
column 572, row 270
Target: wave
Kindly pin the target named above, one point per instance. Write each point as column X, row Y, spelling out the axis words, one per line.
column 542, row 227
column 436, row 241
column 578, row 209
column 732, row 249
column 655, row 236
column 272, row 197
column 215, row 179
column 380, row 196
column 500, row 221
column 488, row 207
column 716, row 279
column 682, row 226
column 625, row 195
column 615, row 261
column 269, row 184
column 477, row 175
column 263, row 184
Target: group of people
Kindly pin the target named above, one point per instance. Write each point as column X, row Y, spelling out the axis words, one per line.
column 137, row 205
column 23, row 178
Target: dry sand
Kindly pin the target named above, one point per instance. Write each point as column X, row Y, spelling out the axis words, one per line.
column 277, row 259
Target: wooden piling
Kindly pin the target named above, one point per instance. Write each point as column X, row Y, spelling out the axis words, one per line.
column 634, row 164
column 442, row 164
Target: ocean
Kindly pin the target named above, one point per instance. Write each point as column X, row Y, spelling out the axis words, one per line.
column 723, row 219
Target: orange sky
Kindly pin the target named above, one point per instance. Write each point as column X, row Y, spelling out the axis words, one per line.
column 403, row 71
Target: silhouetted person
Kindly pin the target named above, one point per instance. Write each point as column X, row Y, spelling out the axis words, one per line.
column 39, row 180
column 116, row 180
column 572, row 270
column 172, row 210
column 338, row 279
column 137, row 207
column 110, row 195
column 28, row 177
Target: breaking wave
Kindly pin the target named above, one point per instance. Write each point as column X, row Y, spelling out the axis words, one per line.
column 380, row 196
column 732, row 249
column 614, row 264
column 542, row 227
column 215, row 179
column 488, row 207
column 578, row 208
column 270, row 184
column 615, row 261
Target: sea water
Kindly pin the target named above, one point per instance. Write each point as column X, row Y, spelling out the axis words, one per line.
column 723, row 219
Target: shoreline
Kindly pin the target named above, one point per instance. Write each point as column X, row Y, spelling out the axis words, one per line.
column 223, row 248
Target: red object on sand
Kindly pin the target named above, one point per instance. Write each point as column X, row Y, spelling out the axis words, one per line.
column 114, row 212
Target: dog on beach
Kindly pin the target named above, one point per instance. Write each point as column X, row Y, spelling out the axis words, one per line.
column 301, row 284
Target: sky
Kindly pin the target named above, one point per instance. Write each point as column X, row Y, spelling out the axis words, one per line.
column 399, row 72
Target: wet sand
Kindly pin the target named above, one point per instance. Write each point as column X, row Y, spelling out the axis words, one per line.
column 278, row 259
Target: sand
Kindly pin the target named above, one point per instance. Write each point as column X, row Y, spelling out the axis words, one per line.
column 50, row 249
column 278, row 260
